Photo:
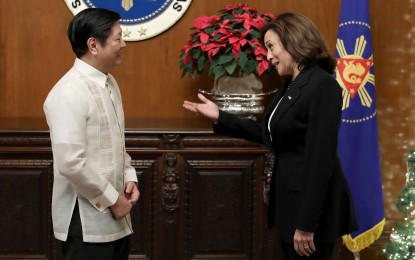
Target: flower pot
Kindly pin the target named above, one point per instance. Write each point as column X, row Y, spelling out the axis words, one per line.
column 249, row 84
column 241, row 96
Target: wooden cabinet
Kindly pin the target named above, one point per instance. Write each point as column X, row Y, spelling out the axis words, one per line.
column 201, row 194
column 26, row 174
column 201, row 198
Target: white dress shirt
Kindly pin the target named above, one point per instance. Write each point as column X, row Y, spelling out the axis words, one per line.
column 91, row 164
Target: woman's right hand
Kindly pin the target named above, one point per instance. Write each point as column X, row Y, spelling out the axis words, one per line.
column 207, row 108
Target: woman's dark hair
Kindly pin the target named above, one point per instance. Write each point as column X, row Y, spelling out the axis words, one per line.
column 91, row 22
column 302, row 39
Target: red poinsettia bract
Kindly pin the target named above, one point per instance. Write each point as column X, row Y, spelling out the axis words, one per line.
column 228, row 42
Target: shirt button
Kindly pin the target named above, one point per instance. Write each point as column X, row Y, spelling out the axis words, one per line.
column 98, row 205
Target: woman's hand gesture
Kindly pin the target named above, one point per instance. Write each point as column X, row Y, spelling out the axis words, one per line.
column 207, row 108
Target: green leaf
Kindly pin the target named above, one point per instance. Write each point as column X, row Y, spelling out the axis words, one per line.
column 241, row 30
column 224, row 59
column 183, row 73
column 213, row 63
column 210, row 72
column 227, row 16
column 196, row 53
column 209, row 30
column 242, row 60
column 255, row 34
column 218, row 71
column 201, row 63
column 217, row 36
column 187, row 69
column 181, row 59
column 228, row 49
column 230, row 67
column 250, row 67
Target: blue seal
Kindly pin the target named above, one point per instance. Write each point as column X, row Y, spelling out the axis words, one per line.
column 140, row 19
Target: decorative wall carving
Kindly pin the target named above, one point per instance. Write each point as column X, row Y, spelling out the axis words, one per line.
column 171, row 141
column 170, row 190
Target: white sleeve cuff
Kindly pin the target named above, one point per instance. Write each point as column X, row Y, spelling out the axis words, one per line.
column 130, row 175
column 107, row 199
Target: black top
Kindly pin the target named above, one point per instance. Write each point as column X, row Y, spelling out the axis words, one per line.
column 309, row 191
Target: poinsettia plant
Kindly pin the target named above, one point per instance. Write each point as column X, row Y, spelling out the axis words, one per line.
column 228, row 42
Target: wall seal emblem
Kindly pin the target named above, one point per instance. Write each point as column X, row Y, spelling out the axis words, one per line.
column 140, row 19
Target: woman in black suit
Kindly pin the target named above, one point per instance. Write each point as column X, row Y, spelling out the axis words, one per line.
column 310, row 201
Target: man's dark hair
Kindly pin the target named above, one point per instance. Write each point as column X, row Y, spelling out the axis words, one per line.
column 91, row 22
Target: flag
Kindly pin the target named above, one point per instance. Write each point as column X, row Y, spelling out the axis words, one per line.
column 358, row 135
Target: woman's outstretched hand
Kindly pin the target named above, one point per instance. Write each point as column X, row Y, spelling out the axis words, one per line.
column 207, row 108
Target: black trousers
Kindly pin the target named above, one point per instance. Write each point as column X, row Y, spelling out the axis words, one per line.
column 323, row 252
column 76, row 249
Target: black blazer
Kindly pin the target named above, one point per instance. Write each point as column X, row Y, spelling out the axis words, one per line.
column 308, row 189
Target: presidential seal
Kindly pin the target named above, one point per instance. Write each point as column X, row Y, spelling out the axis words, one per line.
column 140, row 19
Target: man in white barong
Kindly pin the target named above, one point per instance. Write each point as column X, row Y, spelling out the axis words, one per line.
column 95, row 185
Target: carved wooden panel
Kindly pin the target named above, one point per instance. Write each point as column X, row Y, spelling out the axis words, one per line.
column 219, row 208
column 142, row 215
column 170, row 203
column 25, row 197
